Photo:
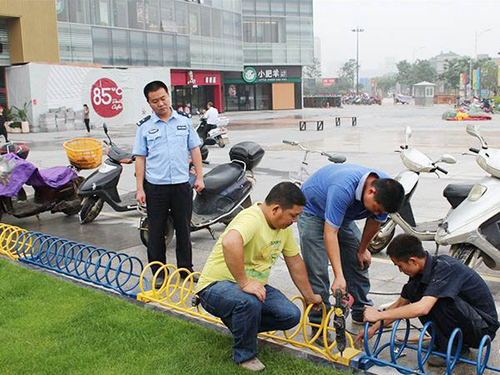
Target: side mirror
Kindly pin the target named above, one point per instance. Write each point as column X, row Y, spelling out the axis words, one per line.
column 407, row 135
column 448, row 159
column 474, row 131
column 105, row 128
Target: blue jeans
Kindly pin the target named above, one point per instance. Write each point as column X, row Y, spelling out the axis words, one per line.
column 316, row 259
column 245, row 315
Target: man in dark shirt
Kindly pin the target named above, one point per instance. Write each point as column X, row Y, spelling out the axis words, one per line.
column 440, row 289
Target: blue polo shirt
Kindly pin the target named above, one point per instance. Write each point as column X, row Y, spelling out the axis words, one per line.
column 335, row 194
column 166, row 146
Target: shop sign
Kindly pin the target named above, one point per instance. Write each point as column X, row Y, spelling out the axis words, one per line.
column 328, row 82
column 106, row 98
column 249, row 75
column 59, row 6
column 211, row 80
column 191, row 80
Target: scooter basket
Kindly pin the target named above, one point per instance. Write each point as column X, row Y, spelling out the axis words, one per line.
column 84, row 153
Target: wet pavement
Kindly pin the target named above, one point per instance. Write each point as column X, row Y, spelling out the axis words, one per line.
column 379, row 131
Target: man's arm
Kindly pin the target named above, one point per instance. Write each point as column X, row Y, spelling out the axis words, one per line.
column 408, row 311
column 233, row 250
column 331, row 240
column 364, row 256
column 297, row 270
column 140, row 170
column 196, row 156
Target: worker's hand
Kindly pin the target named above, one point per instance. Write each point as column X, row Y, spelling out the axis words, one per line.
column 315, row 300
column 358, row 341
column 371, row 314
column 339, row 283
column 140, row 196
column 199, row 185
column 364, row 259
column 255, row 288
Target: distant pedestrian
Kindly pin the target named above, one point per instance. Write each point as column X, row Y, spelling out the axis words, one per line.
column 3, row 130
column 86, row 117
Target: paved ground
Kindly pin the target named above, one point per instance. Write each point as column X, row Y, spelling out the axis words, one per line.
column 372, row 142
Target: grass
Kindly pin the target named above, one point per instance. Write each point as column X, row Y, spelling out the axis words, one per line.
column 49, row 326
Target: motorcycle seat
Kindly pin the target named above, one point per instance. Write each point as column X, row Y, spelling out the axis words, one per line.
column 456, row 193
column 222, row 176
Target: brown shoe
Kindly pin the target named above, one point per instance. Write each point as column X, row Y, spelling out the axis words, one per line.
column 253, row 364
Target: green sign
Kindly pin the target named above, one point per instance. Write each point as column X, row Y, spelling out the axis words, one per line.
column 249, row 75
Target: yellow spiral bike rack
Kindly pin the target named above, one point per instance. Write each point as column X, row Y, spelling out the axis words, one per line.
column 177, row 294
column 10, row 242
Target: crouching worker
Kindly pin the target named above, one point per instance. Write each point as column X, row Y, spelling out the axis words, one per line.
column 233, row 284
column 441, row 290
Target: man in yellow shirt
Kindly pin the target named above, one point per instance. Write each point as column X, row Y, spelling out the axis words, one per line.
column 233, row 284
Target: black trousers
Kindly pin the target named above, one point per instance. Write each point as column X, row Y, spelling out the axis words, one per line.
column 3, row 131
column 178, row 200
column 87, row 124
column 448, row 314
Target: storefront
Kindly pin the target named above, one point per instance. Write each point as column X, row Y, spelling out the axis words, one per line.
column 263, row 88
column 195, row 88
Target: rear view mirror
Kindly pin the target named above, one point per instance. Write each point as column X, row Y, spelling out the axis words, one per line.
column 407, row 135
column 474, row 131
column 448, row 159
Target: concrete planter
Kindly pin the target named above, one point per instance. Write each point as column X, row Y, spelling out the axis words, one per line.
column 25, row 127
column 11, row 130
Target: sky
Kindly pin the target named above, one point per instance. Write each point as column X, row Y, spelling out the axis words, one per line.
column 403, row 29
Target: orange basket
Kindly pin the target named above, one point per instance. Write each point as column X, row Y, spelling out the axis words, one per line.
column 84, row 153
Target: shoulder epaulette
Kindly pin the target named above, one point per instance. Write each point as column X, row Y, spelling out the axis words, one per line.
column 184, row 114
column 143, row 120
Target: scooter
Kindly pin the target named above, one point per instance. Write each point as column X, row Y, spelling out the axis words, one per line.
column 473, row 228
column 486, row 106
column 101, row 185
column 416, row 163
column 55, row 188
column 213, row 134
column 227, row 192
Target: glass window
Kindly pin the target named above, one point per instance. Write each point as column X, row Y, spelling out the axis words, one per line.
column 264, row 30
column 168, row 16
column 238, row 55
column 306, row 30
column 249, row 30
column 64, row 33
column 278, row 7
column 250, row 55
column 196, row 52
column 265, row 55
column 307, row 54
column 101, row 38
column 279, row 54
column 292, row 8
column 231, row 92
column 237, row 26
column 293, row 31
column 102, row 13
column 293, row 55
column 136, row 14
column 246, row 94
column 181, row 16
column 62, row 10
column 306, row 8
column 227, row 23
column 218, row 4
column 206, row 21
column 263, row 7
column 183, row 58
column 120, row 12
column 169, row 56
column 218, row 55
column 154, row 49
column 81, row 43
column 194, row 19
column 138, row 48
column 248, row 6
column 227, row 5
column 228, row 54
column 121, row 50
column 217, row 24
column 237, row 6
column 152, row 15
column 208, row 53
column 263, row 96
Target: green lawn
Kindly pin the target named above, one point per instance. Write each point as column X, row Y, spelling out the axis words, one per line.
column 49, row 326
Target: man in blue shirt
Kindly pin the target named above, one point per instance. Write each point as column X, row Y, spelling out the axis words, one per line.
column 337, row 195
column 163, row 144
column 441, row 290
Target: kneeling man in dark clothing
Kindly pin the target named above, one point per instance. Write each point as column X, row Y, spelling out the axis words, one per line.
column 442, row 290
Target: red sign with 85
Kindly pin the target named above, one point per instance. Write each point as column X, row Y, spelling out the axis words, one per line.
column 106, row 98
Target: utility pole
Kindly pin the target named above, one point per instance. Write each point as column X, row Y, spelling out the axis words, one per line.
column 357, row 30
column 478, row 93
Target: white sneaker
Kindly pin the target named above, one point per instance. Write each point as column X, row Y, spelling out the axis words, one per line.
column 253, row 364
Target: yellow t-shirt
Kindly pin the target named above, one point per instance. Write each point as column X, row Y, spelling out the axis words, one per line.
column 262, row 246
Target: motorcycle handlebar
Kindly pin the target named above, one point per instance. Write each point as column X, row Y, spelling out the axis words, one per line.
column 292, row 143
column 442, row 170
column 474, row 150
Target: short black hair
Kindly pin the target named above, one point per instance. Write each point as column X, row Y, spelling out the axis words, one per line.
column 404, row 246
column 286, row 195
column 389, row 193
column 154, row 86
column 210, row 104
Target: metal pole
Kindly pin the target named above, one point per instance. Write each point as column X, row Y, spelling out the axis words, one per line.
column 357, row 60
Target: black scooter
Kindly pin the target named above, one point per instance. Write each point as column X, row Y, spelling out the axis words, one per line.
column 101, row 186
column 227, row 192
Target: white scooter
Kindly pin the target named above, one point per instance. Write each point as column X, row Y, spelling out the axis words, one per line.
column 473, row 228
column 415, row 162
column 213, row 135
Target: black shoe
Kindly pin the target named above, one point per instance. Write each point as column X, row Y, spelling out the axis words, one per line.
column 159, row 282
column 184, row 275
column 320, row 341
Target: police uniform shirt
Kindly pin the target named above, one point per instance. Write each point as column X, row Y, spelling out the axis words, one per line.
column 166, row 146
column 446, row 277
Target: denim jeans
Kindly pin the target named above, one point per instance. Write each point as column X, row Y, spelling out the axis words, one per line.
column 316, row 259
column 245, row 315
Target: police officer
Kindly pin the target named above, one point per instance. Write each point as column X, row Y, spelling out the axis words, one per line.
column 163, row 144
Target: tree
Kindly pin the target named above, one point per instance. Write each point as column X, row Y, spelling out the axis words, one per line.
column 422, row 70
column 348, row 75
column 452, row 70
column 404, row 72
column 312, row 71
column 386, row 83
column 489, row 75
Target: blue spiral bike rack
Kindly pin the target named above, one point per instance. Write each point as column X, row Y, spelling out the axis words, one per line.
column 108, row 269
column 395, row 349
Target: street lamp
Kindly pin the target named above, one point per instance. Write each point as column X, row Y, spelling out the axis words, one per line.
column 475, row 55
column 357, row 30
